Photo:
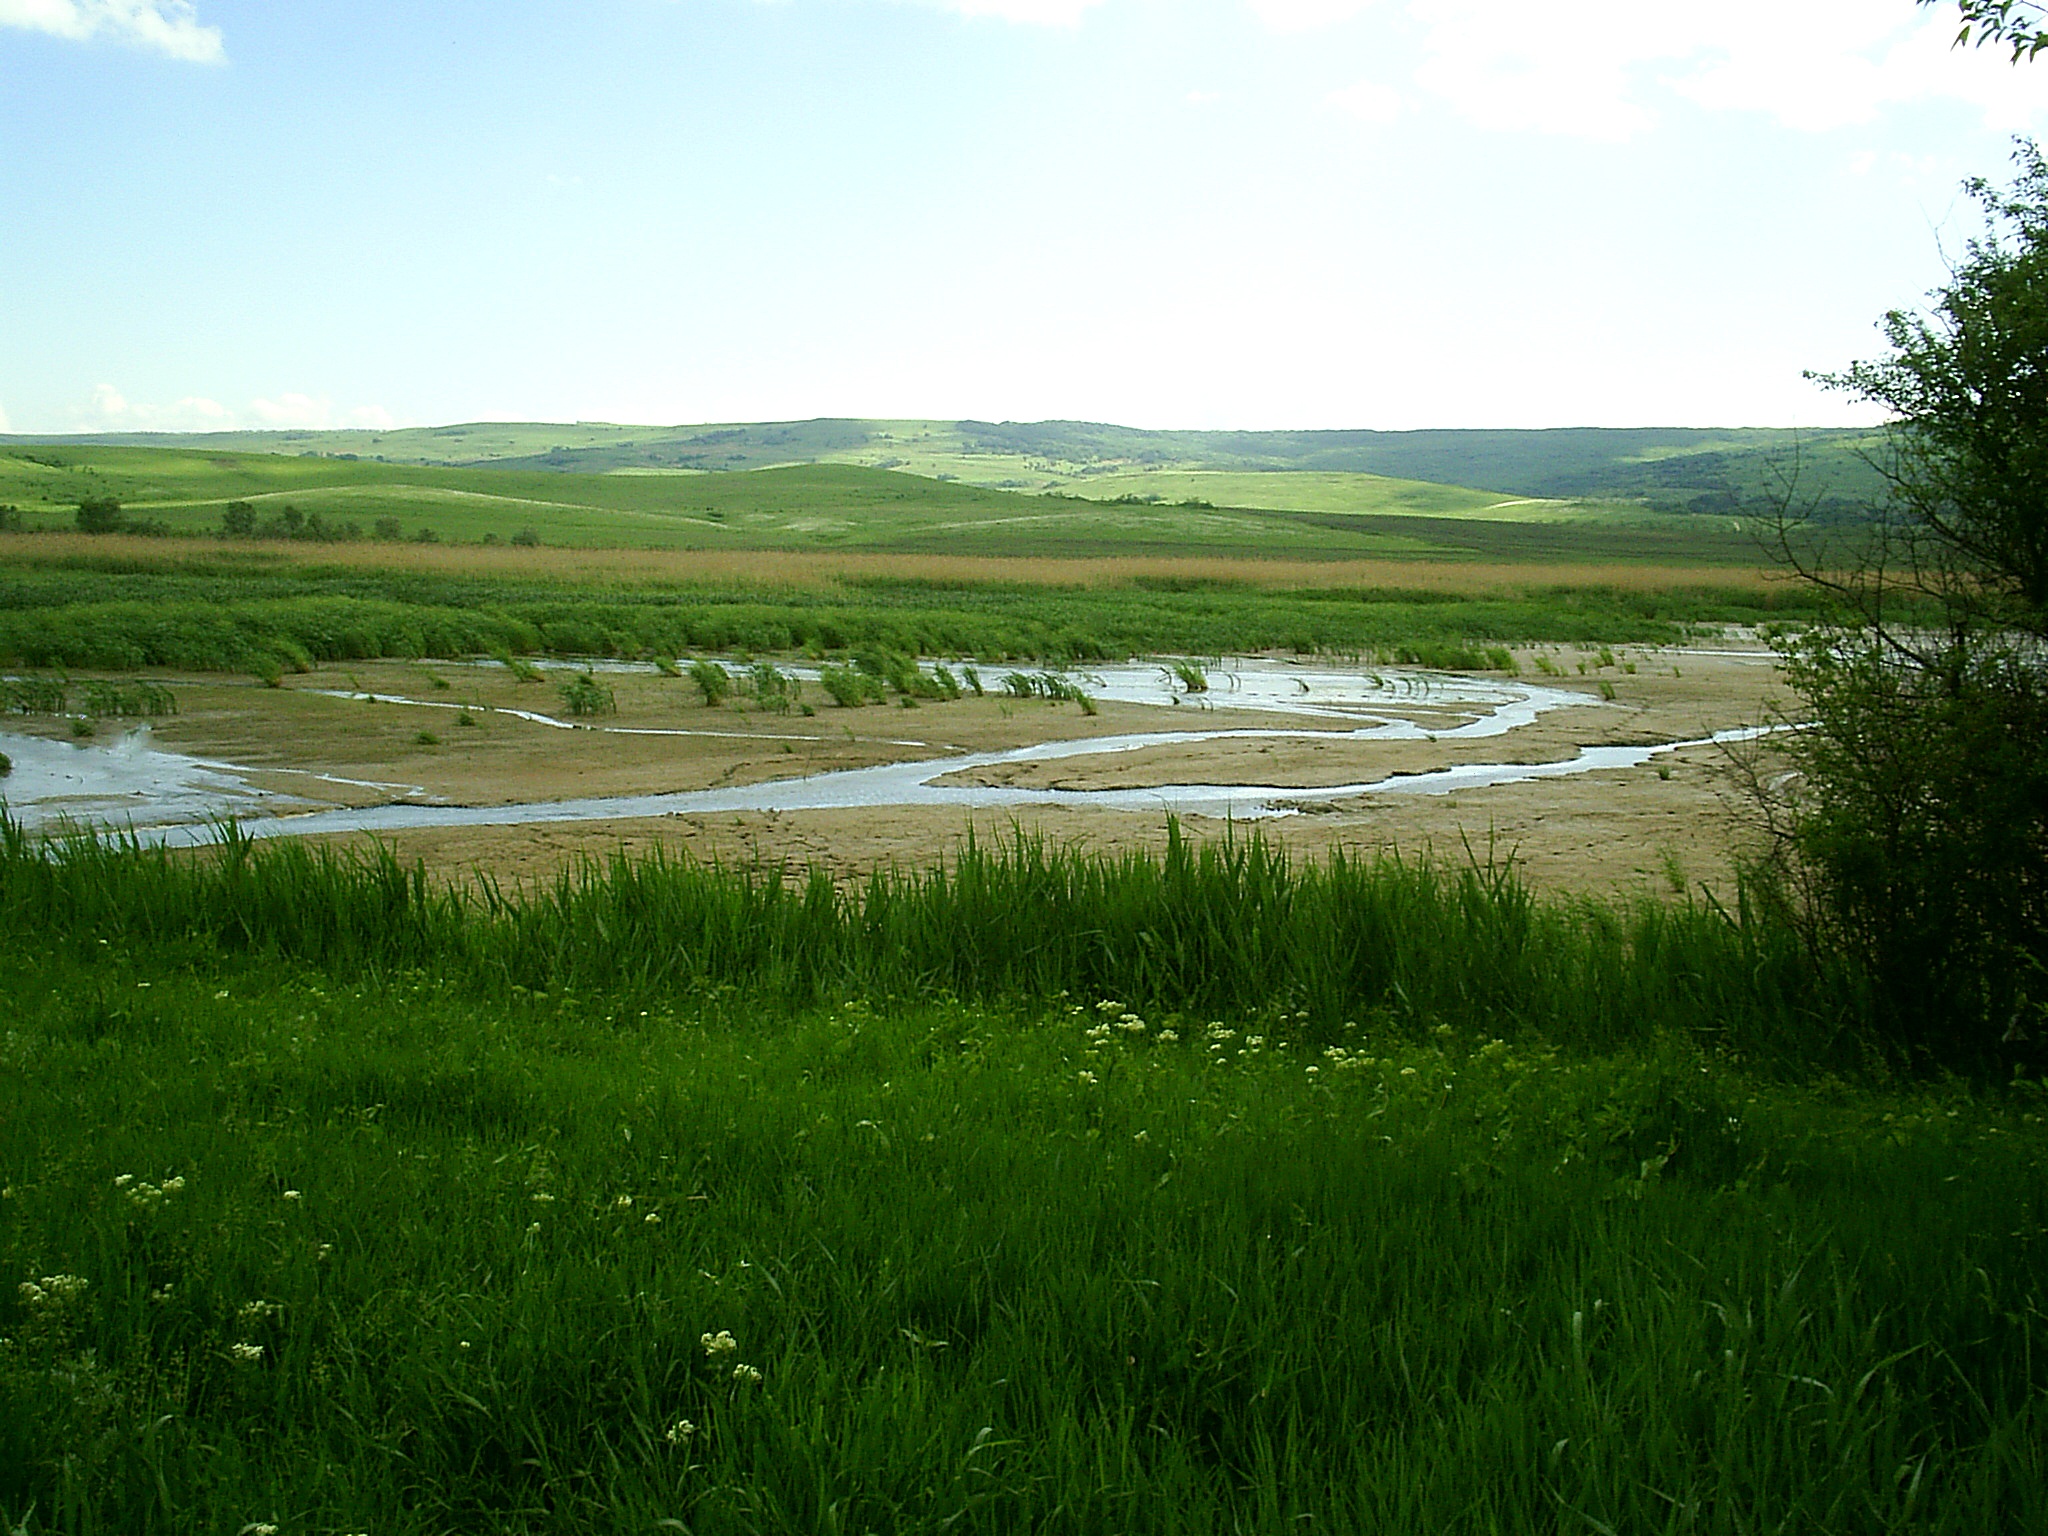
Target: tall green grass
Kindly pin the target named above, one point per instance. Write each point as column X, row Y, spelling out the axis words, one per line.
column 296, row 1246
column 1227, row 927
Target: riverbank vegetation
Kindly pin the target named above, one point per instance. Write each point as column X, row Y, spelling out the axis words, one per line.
column 122, row 605
column 1040, row 1193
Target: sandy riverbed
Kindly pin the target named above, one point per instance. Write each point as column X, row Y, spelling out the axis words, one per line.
column 316, row 742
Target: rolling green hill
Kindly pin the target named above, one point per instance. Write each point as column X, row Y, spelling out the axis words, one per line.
column 1705, row 470
column 834, row 506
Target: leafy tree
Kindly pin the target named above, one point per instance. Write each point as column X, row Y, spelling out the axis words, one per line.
column 2020, row 24
column 99, row 514
column 1919, row 825
column 238, row 520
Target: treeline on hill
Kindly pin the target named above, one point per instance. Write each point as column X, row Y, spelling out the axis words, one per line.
column 104, row 514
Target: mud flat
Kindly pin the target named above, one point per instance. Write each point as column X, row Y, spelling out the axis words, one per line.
column 468, row 767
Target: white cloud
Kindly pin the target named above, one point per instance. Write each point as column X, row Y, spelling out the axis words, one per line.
column 1368, row 101
column 169, row 27
column 306, row 411
column 112, row 411
column 109, row 403
column 1306, row 15
column 1830, row 65
column 1040, row 13
column 1603, row 69
column 294, row 410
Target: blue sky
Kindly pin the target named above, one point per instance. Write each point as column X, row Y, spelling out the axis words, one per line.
column 1197, row 213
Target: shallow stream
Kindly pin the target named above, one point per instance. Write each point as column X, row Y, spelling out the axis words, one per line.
column 168, row 798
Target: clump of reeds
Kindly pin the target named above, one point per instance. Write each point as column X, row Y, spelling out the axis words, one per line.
column 712, row 680
column 583, row 694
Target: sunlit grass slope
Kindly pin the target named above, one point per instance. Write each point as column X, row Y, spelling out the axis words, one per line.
column 1338, row 491
column 832, row 506
column 1666, row 469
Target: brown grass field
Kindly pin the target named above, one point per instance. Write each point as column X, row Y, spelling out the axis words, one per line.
column 787, row 570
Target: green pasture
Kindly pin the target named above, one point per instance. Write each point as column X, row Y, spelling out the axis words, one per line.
column 1053, row 1195
column 848, row 507
column 1331, row 491
column 1686, row 469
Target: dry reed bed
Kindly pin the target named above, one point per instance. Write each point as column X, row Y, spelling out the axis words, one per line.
column 816, row 570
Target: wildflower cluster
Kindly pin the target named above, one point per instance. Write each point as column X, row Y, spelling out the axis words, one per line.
column 1113, row 1019
column 719, row 1345
column 146, row 1196
column 1342, row 1060
column 52, row 1292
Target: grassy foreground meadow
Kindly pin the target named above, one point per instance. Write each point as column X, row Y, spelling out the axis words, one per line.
column 1038, row 1193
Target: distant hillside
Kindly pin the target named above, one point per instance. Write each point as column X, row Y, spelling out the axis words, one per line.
column 314, row 497
column 1663, row 469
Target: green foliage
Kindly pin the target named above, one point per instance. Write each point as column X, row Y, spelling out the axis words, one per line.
column 2018, row 23
column 1048, row 685
column 34, row 695
column 583, row 694
column 849, row 688
column 774, row 690
column 99, row 514
column 712, row 680
column 238, row 520
column 135, row 699
column 1920, row 824
column 127, row 700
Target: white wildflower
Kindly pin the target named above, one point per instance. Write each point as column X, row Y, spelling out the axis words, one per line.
column 248, row 1354
column 719, row 1343
column 750, row 1374
column 680, row 1432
